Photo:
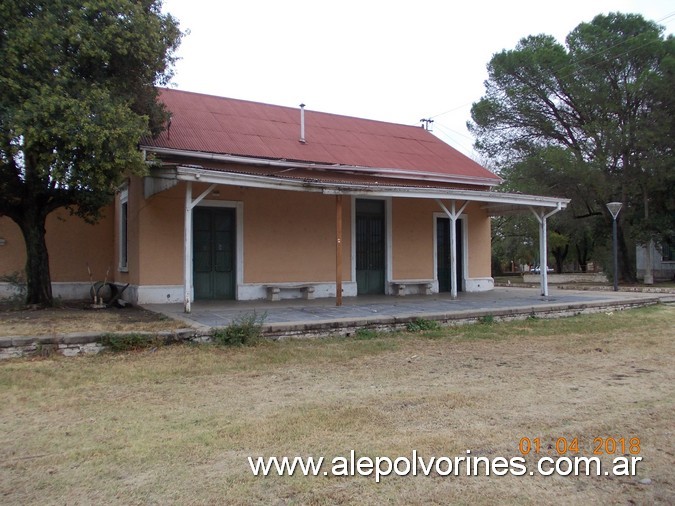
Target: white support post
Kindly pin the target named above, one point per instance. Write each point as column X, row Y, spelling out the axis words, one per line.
column 543, row 243
column 187, row 241
column 187, row 251
column 453, row 252
column 453, row 214
column 543, row 255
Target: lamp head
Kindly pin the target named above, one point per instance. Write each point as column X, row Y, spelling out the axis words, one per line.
column 614, row 208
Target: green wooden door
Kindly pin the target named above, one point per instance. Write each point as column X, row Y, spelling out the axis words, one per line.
column 443, row 270
column 370, row 247
column 214, row 247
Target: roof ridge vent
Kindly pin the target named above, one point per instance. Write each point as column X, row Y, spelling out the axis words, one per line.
column 302, row 124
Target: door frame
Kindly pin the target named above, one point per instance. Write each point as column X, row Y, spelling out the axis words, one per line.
column 387, row 240
column 465, row 248
column 239, row 239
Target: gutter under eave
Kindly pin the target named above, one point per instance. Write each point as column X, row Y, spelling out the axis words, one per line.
column 381, row 171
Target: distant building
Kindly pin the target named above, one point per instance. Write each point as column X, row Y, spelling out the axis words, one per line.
column 663, row 261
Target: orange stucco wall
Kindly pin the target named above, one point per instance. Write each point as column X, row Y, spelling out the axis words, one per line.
column 13, row 252
column 155, row 236
column 71, row 242
column 479, row 241
column 412, row 238
column 159, row 243
column 288, row 236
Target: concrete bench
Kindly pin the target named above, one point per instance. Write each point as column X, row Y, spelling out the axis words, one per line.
column 274, row 291
column 399, row 286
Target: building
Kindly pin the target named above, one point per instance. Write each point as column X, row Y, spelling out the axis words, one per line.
column 662, row 260
column 248, row 201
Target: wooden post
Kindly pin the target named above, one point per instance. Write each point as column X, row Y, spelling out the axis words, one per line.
column 338, row 250
column 187, row 249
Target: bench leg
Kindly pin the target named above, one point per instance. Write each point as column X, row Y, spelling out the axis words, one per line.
column 273, row 294
column 308, row 292
column 427, row 289
column 400, row 290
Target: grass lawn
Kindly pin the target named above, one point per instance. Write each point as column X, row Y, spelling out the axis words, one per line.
column 176, row 425
column 77, row 316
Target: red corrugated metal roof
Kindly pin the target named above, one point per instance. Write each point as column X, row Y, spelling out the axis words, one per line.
column 237, row 127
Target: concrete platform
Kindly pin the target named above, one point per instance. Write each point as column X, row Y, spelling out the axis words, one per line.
column 305, row 318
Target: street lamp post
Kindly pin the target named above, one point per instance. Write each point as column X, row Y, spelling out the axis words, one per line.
column 614, row 208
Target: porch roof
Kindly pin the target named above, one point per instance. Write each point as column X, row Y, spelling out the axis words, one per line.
column 347, row 182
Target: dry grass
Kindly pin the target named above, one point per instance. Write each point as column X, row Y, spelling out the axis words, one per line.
column 176, row 426
column 76, row 316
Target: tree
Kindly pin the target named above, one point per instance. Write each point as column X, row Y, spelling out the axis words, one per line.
column 78, row 84
column 592, row 121
column 559, row 246
column 514, row 242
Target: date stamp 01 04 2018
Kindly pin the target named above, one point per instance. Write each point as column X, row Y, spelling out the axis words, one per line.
column 563, row 446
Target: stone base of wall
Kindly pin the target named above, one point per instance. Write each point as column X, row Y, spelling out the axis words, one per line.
column 85, row 344
column 391, row 324
column 72, row 345
column 65, row 291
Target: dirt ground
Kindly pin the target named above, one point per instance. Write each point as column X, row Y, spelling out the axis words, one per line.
column 176, row 425
column 77, row 316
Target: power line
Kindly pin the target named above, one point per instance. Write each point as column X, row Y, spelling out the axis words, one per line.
column 450, row 129
column 597, row 53
column 450, row 139
column 450, row 110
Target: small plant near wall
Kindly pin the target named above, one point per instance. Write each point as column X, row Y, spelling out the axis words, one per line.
column 421, row 324
column 488, row 319
column 364, row 334
column 245, row 330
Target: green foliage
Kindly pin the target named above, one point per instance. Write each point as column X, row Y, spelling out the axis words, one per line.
column 421, row 324
column 245, row 330
column 514, row 239
column 78, row 93
column 488, row 319
column 593, row 121
column 128, row 342
column 365, row 334
column 558, row 245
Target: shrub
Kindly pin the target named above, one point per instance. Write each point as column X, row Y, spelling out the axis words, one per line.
column 128, row 342
column 421, row 324
column 245, row 330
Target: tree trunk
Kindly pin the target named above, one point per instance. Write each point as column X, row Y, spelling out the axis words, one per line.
column 38, row 279
column 560, row 254
column 582, row 257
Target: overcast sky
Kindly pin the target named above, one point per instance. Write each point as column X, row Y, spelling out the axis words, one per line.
column 390, row 60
